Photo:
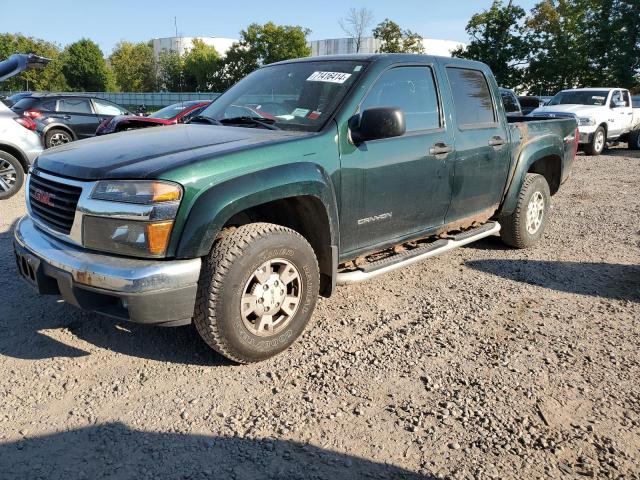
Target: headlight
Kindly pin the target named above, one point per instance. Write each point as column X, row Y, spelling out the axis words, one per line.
column 133, row 191
column 137, row 220
column 586, row 121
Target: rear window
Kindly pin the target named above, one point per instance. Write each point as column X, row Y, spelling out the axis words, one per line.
column 510, row 102
column 471, row 97
column 26, row 103
column 169, row 112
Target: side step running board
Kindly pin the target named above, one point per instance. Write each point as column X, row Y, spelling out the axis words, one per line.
column 409, row 257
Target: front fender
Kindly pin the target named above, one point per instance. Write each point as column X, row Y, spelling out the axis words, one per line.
column 526, row 155
column 213, row 207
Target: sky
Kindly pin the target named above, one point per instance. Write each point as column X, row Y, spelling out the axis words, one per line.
column 110, row 21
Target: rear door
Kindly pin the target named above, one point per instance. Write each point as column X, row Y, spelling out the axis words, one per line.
column 77, row 113
column 481, row 145
column 394, row 187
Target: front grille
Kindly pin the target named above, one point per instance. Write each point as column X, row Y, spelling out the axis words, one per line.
column 53, row 203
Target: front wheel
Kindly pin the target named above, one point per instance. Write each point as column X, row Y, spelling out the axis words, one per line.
column 598, row 142
column 11, row 175
column 257, row 291
column 525, row 226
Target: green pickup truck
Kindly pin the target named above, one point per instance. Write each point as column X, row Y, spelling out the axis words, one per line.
column 305, row 175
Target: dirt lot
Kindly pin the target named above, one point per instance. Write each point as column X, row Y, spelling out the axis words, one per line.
column 484, row 363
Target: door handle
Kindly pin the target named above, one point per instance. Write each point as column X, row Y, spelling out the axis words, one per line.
column 440, row 148
column 496, row 141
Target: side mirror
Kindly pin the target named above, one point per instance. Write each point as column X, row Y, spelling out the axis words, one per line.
column 377, row 123
column 619, row 104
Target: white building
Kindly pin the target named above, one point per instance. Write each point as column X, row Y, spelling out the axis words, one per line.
column 183, row 44
column 338, row 46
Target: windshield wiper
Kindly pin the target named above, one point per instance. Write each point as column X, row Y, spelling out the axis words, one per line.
column 267, row 123
column 204, row 119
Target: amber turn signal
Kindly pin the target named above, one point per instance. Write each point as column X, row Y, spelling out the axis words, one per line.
column 158, row 236
column 165, row 192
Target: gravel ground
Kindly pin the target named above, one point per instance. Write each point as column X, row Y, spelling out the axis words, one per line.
column 483, row 363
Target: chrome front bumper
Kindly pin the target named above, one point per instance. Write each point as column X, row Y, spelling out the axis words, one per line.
column 143, row 291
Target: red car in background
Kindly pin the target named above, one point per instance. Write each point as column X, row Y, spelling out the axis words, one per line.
column 176, row 113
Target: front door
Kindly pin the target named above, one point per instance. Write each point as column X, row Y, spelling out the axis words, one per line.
column 622, row 115
column 394, row 187
column 482, row 147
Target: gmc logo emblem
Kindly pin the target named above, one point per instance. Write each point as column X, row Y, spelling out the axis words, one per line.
column 44, row 197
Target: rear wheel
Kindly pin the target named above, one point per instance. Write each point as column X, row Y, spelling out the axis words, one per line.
column 56, row 137
column 598, row 142
column 11, row 175
column 257, row 291
column 634, row 140
column 525, row 226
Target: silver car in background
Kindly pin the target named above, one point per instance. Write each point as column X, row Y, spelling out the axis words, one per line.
column 19, row 143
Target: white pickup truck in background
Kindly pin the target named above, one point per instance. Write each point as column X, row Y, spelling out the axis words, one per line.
column 605, row 115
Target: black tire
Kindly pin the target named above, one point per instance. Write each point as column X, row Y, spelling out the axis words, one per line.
column 515, row 231
column 595, row 147
column 226, row 274
column 56, row 137
column 11, row 175
column 634, row 140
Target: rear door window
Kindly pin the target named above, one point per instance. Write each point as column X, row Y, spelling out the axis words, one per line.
column 472, row 98
column 74, row 105
column 48, row 105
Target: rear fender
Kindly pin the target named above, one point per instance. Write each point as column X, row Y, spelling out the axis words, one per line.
column 213, row 207
column 526, row 155
column 59, row 126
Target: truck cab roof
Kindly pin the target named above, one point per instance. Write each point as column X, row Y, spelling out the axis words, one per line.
column 388, row 58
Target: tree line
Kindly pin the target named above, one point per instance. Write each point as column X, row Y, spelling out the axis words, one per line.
column 558, row 44
column 133, row 67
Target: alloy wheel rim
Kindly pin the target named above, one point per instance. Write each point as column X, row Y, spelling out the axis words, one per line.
column 59, row 139
column 8, row 176
column 599, row 141
column 535, row 213
column 271, row 297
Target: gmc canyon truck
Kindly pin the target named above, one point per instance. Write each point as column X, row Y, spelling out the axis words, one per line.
column 305, row 174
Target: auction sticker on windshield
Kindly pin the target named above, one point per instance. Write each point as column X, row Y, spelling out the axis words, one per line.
column 330, row 77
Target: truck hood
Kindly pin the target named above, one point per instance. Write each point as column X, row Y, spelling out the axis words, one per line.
column 149, row 152
column 578, row 110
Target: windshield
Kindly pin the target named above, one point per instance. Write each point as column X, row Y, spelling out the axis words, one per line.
column 172, row 110
column 581, row 97
column 292, row 96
